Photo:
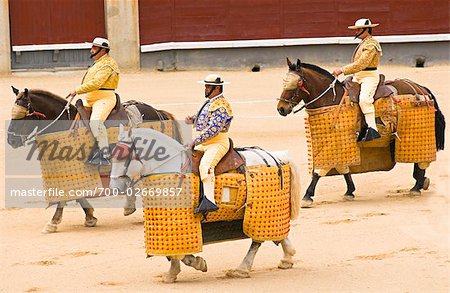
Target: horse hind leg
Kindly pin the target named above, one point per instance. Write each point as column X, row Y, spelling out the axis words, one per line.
column 90, row 220
column 174, row 270
column 287, row 261
column 52, row 225
column 422, row 182
column 196, row 262
column 243, row 271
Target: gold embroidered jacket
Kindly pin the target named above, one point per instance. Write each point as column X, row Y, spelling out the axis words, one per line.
column 103, row 74
column 366, row 54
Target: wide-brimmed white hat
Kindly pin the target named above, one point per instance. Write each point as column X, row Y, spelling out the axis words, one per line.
column 363, row 23
column 101, row 42
column 213, row 79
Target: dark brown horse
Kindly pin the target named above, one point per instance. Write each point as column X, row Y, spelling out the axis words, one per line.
column 37, row 110
column 317, row 88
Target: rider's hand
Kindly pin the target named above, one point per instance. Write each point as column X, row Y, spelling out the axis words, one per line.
column 337, row 72
column 73, row 93
column 189, row 119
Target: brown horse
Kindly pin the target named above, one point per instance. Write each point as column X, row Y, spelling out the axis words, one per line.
column 37, row 110
column 318, row 88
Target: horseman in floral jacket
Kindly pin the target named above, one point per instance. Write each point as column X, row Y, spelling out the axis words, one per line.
column 211, row 123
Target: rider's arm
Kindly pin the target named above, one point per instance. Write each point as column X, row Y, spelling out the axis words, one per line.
column 97, row 81
column 216, row 123
column 367, row 55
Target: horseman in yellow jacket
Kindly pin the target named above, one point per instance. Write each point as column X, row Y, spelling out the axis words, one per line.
column 364, row 69
column 212, row 123
column 98, row 85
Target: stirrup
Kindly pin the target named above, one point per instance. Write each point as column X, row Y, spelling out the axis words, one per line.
column 205, row 206
column 371, row 134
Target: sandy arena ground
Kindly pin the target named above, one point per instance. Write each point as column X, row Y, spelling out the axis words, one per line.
column 384, row 241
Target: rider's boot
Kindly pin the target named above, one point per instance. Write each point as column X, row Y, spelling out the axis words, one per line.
column 371, row 132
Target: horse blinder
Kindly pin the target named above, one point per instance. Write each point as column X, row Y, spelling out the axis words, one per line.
column 123, row 151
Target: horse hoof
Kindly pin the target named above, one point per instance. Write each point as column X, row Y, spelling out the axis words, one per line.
column 306, row 203
column 49, row 228
column 238, row 274
column 128, row 211
column 426, row 183
column 169, row 278
column 414, row 192
column 284, row 265
column 91, row 222
column 202, row 266
column 349, row 197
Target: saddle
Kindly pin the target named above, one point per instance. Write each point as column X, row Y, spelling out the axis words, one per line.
column 118, row 114
column 353, row 88
column 231, row 161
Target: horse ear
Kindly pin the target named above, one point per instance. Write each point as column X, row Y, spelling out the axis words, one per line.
column 289, row 63
column 26, row 92
column 15, row 91
column 299, row 63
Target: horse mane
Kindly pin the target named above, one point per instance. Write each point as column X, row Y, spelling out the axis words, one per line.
column 321, row 71
column 48, row 94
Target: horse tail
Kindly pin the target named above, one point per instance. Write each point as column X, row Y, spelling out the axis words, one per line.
column 439, row 124
column 176, row 126
column 295, row 191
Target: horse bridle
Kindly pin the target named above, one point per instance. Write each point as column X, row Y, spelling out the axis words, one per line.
column 302, row 88
column 31, row 112
column 132, row 148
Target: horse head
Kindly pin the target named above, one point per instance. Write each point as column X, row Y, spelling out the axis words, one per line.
column 293, row 88
column 23, row 118
column 37, row 109
column 143, row 151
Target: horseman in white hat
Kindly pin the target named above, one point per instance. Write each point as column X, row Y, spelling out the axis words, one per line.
column 211, row 123
column 364, row 69
column 99, row 84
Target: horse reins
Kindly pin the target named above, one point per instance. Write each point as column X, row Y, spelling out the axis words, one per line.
column 30, row 136
column 301, row 87
column 331, row 86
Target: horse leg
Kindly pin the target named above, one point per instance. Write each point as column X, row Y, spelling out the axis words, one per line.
column 350, row 187
column 244, row 268
column 90, row 220
column 196, row 262
column 175, row 269
column 422, row 182
column 288, row 252
column 307, row 199
column 51, row 226
column 130, row 205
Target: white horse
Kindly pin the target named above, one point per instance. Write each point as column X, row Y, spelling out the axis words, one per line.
column 143, row 151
